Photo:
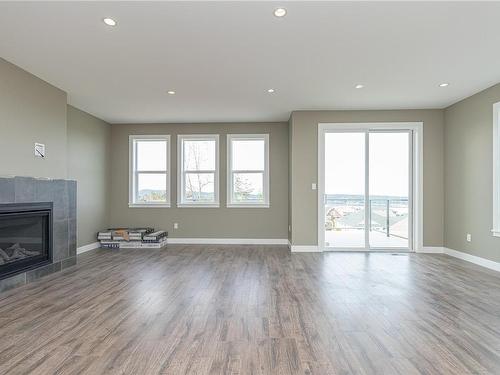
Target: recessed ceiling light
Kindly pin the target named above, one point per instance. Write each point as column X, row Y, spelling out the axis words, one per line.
column 443, row 84
column 359, row 86
column 270, row 91
column 280, row 12
column 171, row 92
column 109, row 21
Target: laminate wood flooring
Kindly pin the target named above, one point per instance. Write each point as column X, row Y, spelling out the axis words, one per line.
column 254, row 310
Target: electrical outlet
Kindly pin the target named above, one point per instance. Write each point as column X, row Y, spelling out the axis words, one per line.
column 176, row 225
column 469, row 237
column 289, row 228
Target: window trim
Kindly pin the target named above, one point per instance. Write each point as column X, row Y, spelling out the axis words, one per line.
column 133, row 172
column 181, row 173
column 496, row 170
column 230, row 172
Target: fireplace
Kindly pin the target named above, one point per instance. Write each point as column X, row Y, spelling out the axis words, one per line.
column 25, row 237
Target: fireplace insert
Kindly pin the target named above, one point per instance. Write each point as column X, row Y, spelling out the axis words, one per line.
column 25, row 237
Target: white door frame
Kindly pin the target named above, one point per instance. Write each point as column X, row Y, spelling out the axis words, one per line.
column 416, row 174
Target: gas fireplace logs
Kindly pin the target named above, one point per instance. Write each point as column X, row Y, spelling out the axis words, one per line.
column 16, row 251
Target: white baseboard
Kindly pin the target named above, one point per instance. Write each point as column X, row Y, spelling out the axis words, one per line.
column 90, row 246
column 304, row 249
column 431, row 250
column 473, row 259
column 228, row 241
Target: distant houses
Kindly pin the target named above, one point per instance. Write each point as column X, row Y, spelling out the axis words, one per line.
column 348, row 212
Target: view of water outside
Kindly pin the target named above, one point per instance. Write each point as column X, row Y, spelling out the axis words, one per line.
column 346, row 219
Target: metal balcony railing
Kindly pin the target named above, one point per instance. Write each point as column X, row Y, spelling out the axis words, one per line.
column 389, row 216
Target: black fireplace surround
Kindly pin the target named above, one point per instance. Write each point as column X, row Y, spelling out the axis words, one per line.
column 25, row 237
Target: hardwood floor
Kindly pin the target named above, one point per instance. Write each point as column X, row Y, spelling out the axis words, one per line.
column 254, row 310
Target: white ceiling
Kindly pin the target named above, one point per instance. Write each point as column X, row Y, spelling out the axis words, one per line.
column 221, row 58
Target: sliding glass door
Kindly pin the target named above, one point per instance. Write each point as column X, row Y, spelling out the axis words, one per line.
column 367, row 197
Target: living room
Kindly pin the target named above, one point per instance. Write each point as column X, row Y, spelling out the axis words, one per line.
column 322, row 179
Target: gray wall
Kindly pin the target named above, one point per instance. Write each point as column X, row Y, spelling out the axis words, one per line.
column 468, row 175
column 77, row 144
column 304, row 167
column 31, row 111
column 89, row 155
column 263, row 223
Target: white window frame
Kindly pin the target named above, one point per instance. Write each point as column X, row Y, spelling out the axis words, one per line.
column 231, row 172
column 496, row 170
column 134, row 173
column 181, row 173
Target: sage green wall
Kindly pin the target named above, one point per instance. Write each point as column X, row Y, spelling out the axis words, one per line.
column 468, row 175
column 258, row 223
column 304, row 167
column 89, row 155
column 31, row 110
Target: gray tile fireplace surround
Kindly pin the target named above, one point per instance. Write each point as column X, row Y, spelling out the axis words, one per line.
column 63, row 195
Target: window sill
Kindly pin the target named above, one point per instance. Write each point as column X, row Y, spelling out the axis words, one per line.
column 198, row 205
column 149, row 205
column 247, row 205
column 495, row 232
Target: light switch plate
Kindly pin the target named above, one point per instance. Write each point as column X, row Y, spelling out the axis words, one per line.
column 469, row 237
column 313, row 186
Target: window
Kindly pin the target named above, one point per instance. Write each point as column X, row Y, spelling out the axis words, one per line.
column 496, row 170
column 198, row 171
column 149, row 162
column 248, row 170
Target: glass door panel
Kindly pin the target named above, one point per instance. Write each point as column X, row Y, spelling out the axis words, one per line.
column 389, row 189
column 345, row 190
